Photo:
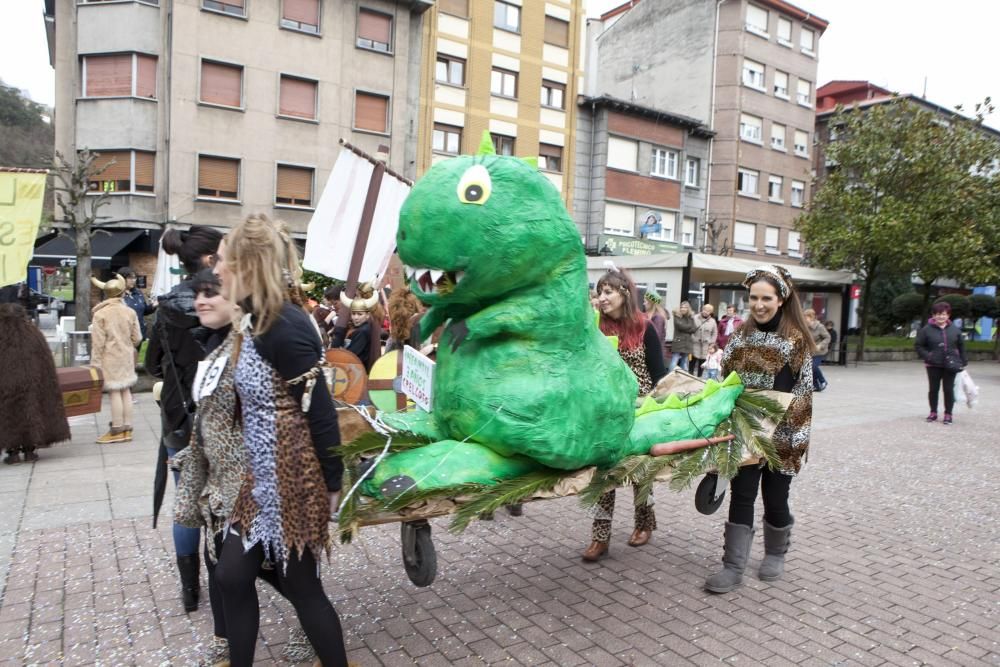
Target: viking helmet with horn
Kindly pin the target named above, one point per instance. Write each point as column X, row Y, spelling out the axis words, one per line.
column 112, row 288
column 361, row 303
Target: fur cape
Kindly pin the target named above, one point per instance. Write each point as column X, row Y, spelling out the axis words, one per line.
column 31, row 408
column 114, row 336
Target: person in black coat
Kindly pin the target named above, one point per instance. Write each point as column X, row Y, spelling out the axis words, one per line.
column 172, row 355
column 135, row 299
column 939, row 343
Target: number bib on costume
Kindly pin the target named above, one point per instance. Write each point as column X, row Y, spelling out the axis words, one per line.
column 207, row 377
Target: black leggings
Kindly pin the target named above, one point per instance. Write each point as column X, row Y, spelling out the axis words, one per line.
column 268, row 574
column 774, row 488
column 299, row 582
column 697, row 366
column 937, row 376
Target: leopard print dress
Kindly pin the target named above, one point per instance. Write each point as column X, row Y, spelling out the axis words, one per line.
column 283, row 504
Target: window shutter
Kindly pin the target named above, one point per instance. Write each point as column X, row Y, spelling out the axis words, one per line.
column 109, row 76
column 221, row 84
column 218, row 175
column 375, row 27
column 303, row 11
column 556, row 31
column 454, row 7
column 121, row 170
column 294, row 185
column 145, row 86
column 371, row 112
column 144, row 163
column 298, row 98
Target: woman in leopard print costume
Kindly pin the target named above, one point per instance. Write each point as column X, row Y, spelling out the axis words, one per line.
column 640, row 348
column 290, row 436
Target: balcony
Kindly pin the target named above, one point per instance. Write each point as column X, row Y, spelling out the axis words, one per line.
column 118, row 26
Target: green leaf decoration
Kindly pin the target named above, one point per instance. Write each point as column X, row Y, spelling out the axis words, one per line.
column 508, row 492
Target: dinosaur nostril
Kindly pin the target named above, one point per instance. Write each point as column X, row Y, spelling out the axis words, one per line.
column 402, row 235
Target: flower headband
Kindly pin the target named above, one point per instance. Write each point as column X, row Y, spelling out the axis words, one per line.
column 778, row 274
column 653, row 297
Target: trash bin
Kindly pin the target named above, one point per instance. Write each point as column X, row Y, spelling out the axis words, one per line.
column 77, row 349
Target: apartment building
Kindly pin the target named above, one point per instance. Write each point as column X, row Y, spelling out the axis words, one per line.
column 209, row 110
column 747, row 70
column 507, row 66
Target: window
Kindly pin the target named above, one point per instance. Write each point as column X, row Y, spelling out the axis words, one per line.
column 553, row 94
column 771, row 240
column 807, row 40
column 692, row 172
column 619, row 219
column 745, row 236
column 687, row 232
column 623, row 154
column 805, row 93
column 374, row 31
column 747, row 182
column 794, row 244
column 221, row 84
column 503, row 145
column 550, row 157
column 234, row 7
column 503, row 82
column 120, row 75
column 801, row 143
column 447, row 139
column 753, row 74
column 784, row 31
column 218, row 178
column 757, row 20
column 301, row 15
column 124, row 172
column 751, row 128
column 781, row 84
column 450, row 69
column 668, row 223
column 458, row 8
column 798, row 193
column 507, row 16
column 556, row 31
column 777, row 136
column 664, row 163
column 297, row 97
column 294, row 186
column 371, row 112
column 774, row 185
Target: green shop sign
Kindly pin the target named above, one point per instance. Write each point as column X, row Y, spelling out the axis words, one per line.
column 623, row 245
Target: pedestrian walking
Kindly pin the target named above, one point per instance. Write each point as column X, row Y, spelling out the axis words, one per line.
column 772, row 350
column 939, row 343
column 31, row 406
column 706, row 332
column 728, row 325
column 136, row 300
column 681, row 346
column 172, row 355
column 640, row 348
column 290, row 436
column 114, row 334
column 821, row 339
column 833, row 341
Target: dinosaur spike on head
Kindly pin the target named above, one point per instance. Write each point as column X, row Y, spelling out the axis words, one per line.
column 533, row 161
column 486, row 145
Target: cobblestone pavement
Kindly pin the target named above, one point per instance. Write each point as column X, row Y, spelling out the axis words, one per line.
column 894, row 561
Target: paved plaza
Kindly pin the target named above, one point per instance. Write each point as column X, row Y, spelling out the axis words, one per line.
column 894, row 561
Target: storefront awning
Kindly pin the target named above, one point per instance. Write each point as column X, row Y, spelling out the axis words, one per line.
column 720, row 269
column 103, row 247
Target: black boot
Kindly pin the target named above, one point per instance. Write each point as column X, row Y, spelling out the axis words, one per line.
column 190, row 569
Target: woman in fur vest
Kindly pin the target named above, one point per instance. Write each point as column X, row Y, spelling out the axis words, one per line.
column 114, row 335
column 31, row 408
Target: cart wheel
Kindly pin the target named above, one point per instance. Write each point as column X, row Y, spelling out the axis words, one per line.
column 705, row 500
column 419, row 557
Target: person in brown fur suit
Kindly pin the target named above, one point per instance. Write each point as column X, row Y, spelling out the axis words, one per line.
column 31, row 408
column 115, row 333
column 403, row 309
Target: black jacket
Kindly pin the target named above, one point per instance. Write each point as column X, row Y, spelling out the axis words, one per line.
column 941, row 348
column 136, row 300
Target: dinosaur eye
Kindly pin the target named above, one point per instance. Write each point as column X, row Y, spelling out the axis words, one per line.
column 475, row 185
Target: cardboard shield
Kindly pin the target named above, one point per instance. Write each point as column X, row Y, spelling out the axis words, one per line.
column 347, row 379
column 384, row 383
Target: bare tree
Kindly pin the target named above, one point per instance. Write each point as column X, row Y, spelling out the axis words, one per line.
column 716, row 241
column 79, row 212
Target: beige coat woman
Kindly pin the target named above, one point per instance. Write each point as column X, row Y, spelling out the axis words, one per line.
column 705, row 333
column 114, row 334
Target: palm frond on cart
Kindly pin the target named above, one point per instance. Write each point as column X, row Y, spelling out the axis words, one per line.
column 508, row 492
column 627, row 471
column 373, row 443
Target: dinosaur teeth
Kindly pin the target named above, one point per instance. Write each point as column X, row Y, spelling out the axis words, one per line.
column 459, row 275
column 409, row 271
column 436, row 275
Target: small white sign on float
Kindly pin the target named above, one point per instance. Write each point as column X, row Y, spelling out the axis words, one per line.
column 418, row 378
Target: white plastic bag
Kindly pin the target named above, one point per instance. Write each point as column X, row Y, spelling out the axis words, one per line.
column 965, row 386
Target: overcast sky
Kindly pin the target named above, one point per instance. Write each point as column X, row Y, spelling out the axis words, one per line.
column 893, row 43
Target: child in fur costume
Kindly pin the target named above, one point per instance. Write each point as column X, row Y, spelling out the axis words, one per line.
column 31, row 408
column 115, row 333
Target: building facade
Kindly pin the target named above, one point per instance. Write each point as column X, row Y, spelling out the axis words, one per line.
column 205, row 111
column 745, row 69
column 510, row 67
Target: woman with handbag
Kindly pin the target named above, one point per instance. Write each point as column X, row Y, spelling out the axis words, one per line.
column 941, row 347
column 172, row 355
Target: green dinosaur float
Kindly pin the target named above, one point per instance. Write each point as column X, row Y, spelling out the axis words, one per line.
column 524, row 380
